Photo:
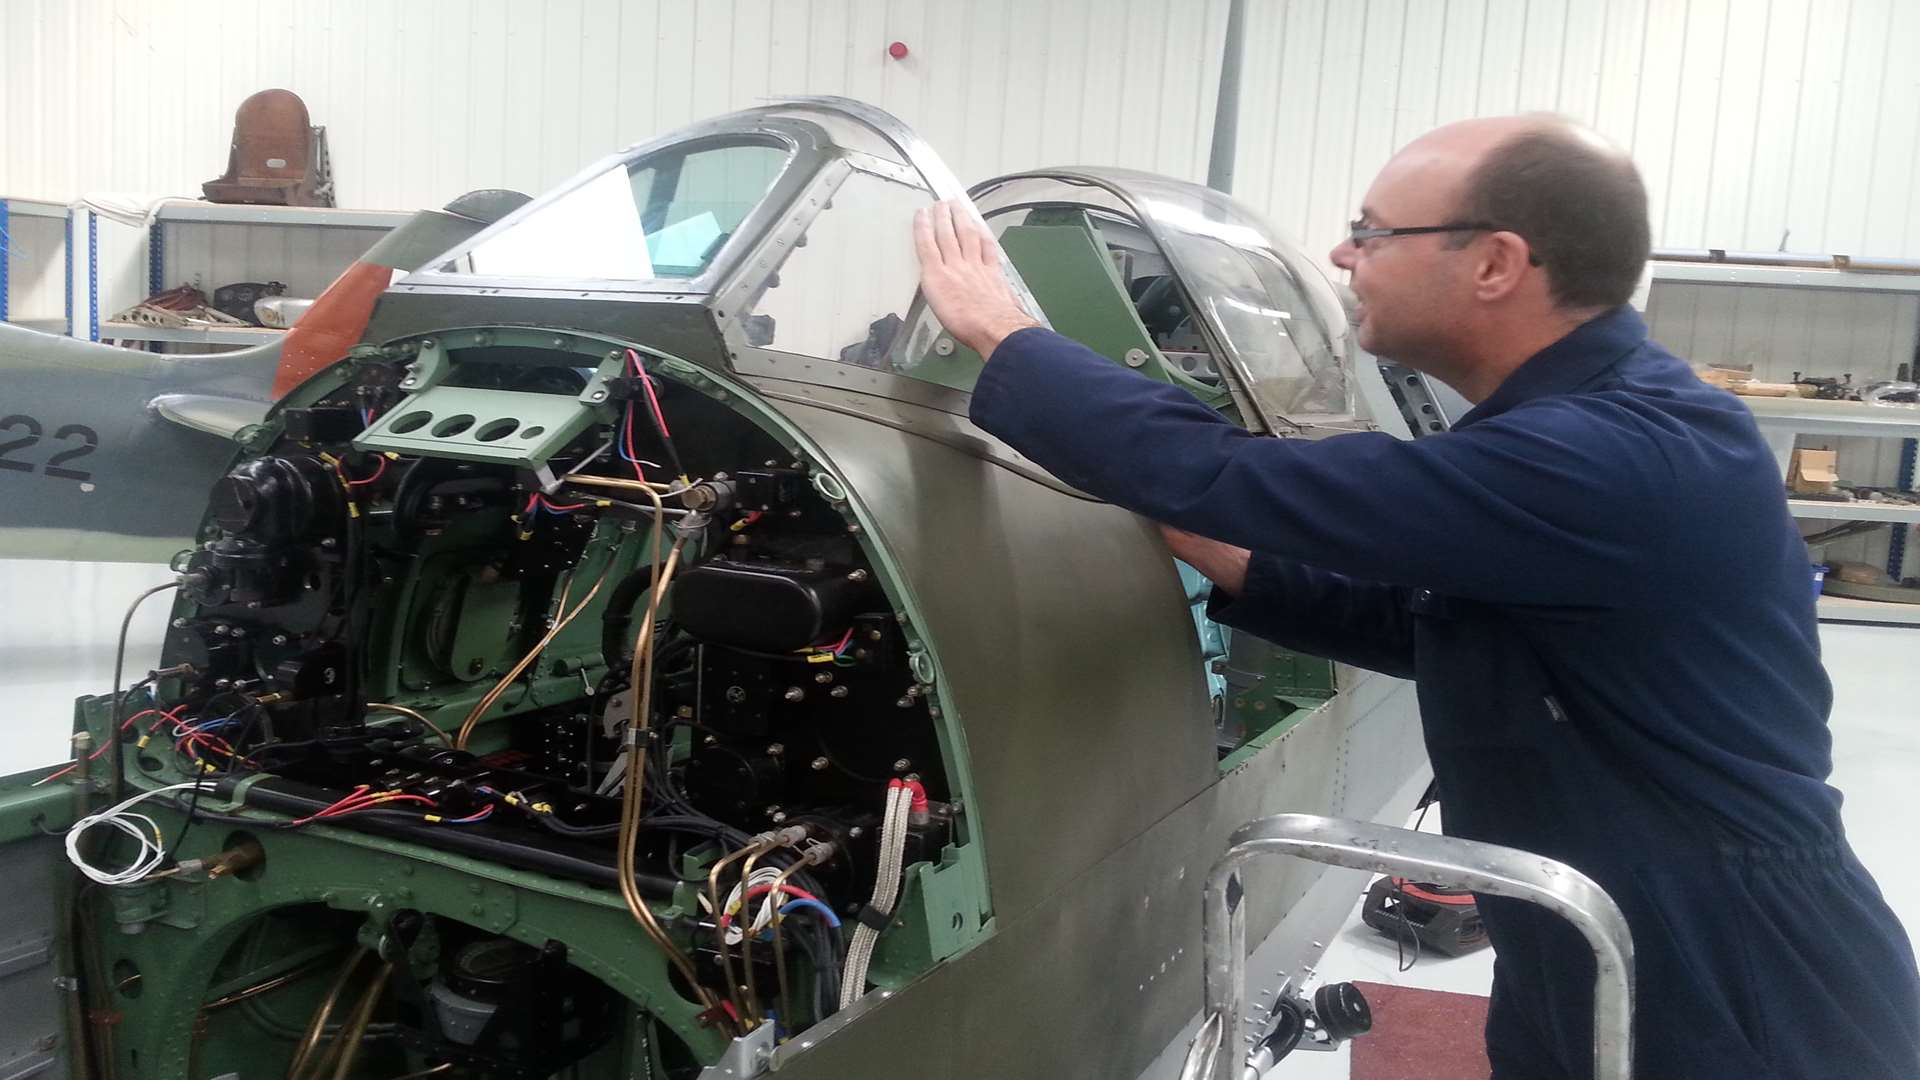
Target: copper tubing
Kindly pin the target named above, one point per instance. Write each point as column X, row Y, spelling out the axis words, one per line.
column 493, row 695
column 435, row 1071
column 779, row 949
column 645, row 486
column 751, row 851
column 387, row 706
column 321, row 1015
column 347, row 1043
column 274, row 983
column 750, row 994
column 642, row 681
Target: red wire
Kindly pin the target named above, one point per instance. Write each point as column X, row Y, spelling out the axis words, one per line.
column 104, row 747
column 379, row 471
column 790, row 890
column 647, row 381
column 363, row 798
column 633, row 359
column 358, row 792
column 377, row 801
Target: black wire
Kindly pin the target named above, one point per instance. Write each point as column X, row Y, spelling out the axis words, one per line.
column 659, row 424
column 1400, row 901
column 1400, row 941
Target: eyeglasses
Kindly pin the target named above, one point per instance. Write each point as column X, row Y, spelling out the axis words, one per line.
column 1358, row 230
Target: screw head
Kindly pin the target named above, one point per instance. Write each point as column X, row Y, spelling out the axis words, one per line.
column 736, row 694
column 902, row 765
column 856, row 833
column 775, row 749
column 222, row 630
column 837, row 692
column 857, row 576
column 794, row 693
column 598, row 395
column 179, row 623
column 279, row 639
column 818, row 764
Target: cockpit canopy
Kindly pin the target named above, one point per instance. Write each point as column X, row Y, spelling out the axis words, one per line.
column 791, row 224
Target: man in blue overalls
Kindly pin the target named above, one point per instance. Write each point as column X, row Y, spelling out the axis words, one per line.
column 1593, row 578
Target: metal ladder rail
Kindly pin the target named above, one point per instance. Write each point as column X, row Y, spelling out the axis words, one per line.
column 1219, row 1051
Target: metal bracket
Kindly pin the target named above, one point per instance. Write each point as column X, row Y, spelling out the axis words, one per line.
column 749, row 1055
column 1484, row 868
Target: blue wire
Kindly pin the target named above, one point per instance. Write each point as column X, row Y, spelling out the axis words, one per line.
column 813, row 905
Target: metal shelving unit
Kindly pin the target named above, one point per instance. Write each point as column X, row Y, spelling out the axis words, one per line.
column 1854, row 511
column 118, row 263
column 1781, row 420
column 196, row 210
column 1785, row 277
column 189, row 335
column 1848, row 609
column 33, row 233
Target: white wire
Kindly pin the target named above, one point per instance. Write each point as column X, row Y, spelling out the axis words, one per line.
column 762, row 918
column 144, row 830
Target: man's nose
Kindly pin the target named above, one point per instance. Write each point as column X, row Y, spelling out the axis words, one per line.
column 1343, row 254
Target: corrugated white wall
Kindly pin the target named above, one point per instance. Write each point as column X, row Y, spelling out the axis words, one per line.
column 425, row 99
column 1749, row 118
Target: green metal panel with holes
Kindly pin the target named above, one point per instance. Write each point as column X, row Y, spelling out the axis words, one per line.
column 470, row 423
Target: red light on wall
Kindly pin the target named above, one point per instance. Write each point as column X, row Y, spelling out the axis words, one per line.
column 897, row 50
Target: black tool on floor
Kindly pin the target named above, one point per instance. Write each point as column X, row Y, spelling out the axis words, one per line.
column 1430, row 917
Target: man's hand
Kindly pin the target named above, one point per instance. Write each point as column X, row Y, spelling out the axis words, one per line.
column 1223, row 564
column 961, row 277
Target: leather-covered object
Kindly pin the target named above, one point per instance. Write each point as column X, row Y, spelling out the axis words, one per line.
column 277, row 158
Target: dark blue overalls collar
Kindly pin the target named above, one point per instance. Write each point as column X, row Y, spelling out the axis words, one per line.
column 1566, row 363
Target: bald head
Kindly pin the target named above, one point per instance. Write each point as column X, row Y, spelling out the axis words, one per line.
column 1577, row 201
column 1502, row 235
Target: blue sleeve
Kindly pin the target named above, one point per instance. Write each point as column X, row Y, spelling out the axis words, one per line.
column 1544, row 504
column 1321, row 613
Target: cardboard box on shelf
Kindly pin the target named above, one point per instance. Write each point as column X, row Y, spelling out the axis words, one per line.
column 1814, row 472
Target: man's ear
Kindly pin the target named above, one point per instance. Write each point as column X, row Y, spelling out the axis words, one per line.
column 1504, row 262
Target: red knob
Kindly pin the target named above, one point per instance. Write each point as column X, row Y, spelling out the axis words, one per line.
column 897, row 50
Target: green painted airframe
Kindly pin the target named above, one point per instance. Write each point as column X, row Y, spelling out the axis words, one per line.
column 1096, row 739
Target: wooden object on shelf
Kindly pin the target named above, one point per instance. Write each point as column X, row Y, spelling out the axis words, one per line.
column 276, row 157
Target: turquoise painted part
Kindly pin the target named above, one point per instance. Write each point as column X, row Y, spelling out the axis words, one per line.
column 1213, row 636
